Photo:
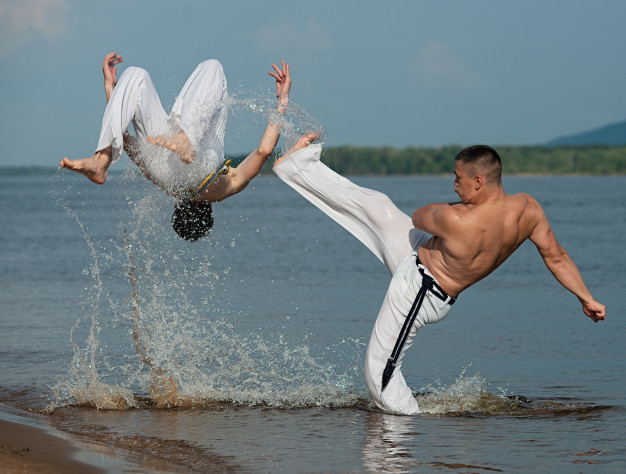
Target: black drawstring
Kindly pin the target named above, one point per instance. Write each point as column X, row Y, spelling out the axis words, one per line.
column 428, row 284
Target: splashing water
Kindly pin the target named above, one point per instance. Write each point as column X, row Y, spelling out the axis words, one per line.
column 295, row 123
column 158, row 319
column 470, row 395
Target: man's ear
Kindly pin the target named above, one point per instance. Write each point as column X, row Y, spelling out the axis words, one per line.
column 479, row 182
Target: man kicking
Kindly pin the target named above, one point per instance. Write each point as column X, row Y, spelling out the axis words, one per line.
column 433, row 257
column 178, row 152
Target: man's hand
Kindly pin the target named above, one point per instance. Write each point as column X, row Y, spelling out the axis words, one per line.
column 283, row 80
column 110, row 72
column 596, row 311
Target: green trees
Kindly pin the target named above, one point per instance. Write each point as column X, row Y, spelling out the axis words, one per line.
column 348, row 160
column 382, row 161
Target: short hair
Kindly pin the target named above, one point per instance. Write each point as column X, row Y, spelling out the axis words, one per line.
column 192, row 220
column 484, row 160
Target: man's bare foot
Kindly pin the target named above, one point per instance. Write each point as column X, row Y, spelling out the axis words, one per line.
column 303, row 142
column 96, row 167
column 178, row 143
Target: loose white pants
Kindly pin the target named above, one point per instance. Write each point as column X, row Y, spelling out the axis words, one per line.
column 199, row 111
column 389, row 233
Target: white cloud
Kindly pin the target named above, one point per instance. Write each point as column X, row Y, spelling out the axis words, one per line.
column 437, row 64
column 24, row 21
column 288, row 36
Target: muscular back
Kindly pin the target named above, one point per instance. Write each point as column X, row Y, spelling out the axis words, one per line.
column 471, row 240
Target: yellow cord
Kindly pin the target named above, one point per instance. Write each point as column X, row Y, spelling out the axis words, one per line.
column 209, row 179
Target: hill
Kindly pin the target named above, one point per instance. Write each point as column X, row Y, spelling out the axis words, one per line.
column 611, row 135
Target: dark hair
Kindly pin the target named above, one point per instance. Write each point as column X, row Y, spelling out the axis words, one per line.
column 484, row 160
column 192, row 220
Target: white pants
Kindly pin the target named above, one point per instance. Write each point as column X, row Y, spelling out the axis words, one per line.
column 389, row 233
column 199, row 111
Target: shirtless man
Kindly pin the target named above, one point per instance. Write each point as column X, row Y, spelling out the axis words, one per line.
column 433, row 257
column 189, row 143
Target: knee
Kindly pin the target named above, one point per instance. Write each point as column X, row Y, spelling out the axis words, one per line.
column 212, row 67
column 135, row 73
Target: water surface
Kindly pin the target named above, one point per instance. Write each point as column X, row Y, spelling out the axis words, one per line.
column 261, row 331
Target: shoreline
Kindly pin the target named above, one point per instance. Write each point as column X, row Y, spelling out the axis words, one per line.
column 29, row 445
column 25, row 448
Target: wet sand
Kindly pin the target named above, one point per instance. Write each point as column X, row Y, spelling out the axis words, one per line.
column 26, row 449
column 29, row 445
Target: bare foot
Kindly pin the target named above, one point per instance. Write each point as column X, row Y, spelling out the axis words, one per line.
column 303, row 142
column 178, row 143
column 96, row 167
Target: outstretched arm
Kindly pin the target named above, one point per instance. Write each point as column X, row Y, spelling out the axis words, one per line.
column 564, row 269
column 238, row 178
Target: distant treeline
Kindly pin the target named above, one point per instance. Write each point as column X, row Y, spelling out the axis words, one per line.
column 23, row 170
column 349, row 160
column 384, row 161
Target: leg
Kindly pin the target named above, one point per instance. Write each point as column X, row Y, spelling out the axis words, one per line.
column 96, row 167
column 177, row 142
column 135, row 100
column 199, row 116
column 368, row 215
column 405, row 284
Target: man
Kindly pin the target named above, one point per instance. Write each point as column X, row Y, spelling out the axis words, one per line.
column 181, row 151
column 433, row 257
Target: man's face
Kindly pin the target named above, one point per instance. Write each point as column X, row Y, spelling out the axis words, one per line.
column 463, row 182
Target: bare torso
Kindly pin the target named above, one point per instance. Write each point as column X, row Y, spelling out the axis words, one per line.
column 479, row 238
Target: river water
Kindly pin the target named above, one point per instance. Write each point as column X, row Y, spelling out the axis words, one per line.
column 243, row 351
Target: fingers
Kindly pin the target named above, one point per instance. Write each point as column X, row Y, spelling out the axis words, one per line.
column 282, row 72
column 597, row 314
column 112, row 59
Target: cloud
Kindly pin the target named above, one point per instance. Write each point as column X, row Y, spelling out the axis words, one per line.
column 436, row 64
column 26, row 21
column 309, row 37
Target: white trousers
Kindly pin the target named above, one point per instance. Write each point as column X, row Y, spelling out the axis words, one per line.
column 199, row 111
column 389, row 233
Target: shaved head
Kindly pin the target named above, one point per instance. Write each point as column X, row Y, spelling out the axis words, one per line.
column 482, row 160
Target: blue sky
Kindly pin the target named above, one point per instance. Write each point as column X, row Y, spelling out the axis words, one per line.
column 398, row 73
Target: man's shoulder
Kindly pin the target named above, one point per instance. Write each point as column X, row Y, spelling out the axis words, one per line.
column 527, row 211
column 524, row 199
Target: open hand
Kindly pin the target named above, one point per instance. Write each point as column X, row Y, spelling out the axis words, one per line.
column 283, row 79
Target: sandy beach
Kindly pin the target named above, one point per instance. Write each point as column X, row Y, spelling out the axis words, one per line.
column 33, row 450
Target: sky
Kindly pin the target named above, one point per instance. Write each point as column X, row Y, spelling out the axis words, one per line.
column 393, row 73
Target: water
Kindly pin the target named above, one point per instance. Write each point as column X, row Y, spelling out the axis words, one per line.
column 243, row 351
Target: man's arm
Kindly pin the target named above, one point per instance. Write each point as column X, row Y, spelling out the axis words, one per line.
column 109, row 71
column 563, row 268
column 238, row 178
column 434, row 219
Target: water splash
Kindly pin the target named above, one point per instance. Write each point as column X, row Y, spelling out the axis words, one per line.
column 262, row 109
column 158, row 326
column 470, row 395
